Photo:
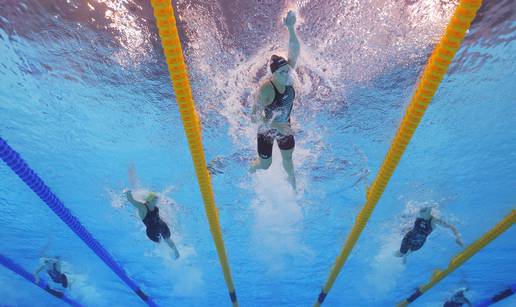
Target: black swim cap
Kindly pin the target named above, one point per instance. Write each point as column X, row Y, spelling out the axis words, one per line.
column 277, row 62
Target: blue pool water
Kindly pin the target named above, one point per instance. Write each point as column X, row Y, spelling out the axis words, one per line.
column 85, row 94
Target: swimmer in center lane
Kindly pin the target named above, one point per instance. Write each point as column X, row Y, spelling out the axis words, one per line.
column 149, row 213
column 274, row 105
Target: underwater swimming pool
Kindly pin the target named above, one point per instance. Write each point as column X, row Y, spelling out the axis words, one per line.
column 85, row 94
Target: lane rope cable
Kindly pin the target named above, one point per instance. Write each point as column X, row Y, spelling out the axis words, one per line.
column 166, row 24
column 38, row 186
column 434, row 72
column 497, row 297
column 463, row 256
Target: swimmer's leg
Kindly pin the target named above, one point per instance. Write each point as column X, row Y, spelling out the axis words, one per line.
column 173, row 247
column 405, row 257
column 165, row 234
column 264, row 142
column 405, row 247
column 288, row 165
column 71, row 281
column 398, row 254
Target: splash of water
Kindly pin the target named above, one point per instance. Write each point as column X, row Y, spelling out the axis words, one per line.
column 278, row 220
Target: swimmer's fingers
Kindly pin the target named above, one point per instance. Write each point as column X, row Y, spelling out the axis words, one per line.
column 290, row 20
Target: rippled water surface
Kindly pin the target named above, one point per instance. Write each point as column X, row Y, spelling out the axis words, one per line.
column 85, row 93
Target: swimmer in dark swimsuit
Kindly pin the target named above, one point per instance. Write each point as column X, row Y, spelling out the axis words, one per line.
column 272, row 110
column 53, row 267
column 149, row 213
column 423, row 226
column 458, row 299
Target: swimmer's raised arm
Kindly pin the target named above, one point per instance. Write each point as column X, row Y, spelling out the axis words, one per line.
column 131, row 199
column 453, row 229
column 133, row 179
column 293, row 42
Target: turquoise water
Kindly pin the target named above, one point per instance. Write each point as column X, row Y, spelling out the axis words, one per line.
column 84, row 94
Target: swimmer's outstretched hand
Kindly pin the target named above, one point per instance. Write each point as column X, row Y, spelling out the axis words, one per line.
column 290, row 20
column 128, row 194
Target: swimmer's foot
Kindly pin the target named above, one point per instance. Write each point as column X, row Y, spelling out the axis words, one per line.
column 292, row 182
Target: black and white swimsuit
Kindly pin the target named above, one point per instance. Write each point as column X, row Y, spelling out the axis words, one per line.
column 281, row 107
column 276, row 112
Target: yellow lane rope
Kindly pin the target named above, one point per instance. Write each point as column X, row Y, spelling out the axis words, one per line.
column 434, row 72
column 462, row 257
column 166, row 23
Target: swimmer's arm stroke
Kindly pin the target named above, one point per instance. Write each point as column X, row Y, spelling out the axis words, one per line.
column 293, row 42
column 453, row 229
column 131, row 199
column 36, row 276
column 265, row 97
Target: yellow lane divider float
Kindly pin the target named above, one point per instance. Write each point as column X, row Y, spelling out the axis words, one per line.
column 434, row 72
column 166, row 23
column 462, row 257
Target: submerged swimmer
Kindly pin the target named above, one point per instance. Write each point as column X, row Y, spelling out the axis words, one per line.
column 423, row 226
column 149, row 213
column 272, row 110
column 52, row 265
column 458, row 299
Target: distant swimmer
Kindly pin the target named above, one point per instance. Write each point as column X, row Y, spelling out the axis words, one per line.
column 458, row 299
column 52, row 265
column 274, row 105
column 149, row 213
column 423, row 226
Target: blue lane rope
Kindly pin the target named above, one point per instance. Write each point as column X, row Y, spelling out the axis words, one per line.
column 8, row 263
column 498, row 297
column 36, row 184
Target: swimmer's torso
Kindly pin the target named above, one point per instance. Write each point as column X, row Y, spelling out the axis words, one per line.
column 423, row 226
column 279, row 110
